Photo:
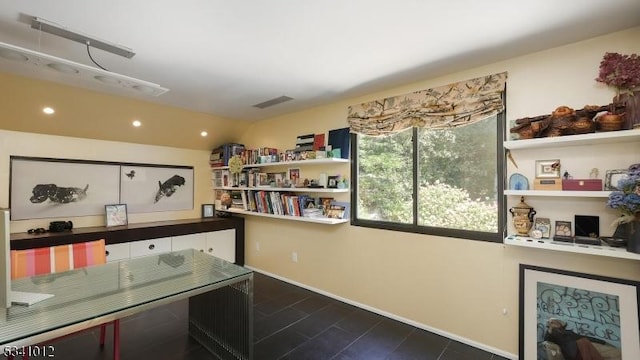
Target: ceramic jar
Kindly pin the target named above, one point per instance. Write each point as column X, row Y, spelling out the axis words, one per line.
column 522, row 217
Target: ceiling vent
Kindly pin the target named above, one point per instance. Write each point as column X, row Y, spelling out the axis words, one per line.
column 272, row 102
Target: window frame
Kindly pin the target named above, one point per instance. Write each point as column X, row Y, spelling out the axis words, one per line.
column 413, row 227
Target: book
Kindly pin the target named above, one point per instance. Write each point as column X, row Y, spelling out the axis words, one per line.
column 318, row 142
column 339, row 139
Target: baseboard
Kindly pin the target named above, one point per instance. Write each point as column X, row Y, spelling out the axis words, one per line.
column 391, row 316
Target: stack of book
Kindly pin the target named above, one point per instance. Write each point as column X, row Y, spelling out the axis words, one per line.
column 220, row 156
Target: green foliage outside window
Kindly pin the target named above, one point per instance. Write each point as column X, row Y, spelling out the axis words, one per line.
column 457, row 181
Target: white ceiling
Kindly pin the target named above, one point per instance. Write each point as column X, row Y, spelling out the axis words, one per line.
column 222, row 57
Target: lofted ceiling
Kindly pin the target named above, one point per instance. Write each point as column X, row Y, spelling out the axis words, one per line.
column 222, row 57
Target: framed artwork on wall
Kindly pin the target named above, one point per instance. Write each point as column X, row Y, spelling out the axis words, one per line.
column 152, row 188
column 47, row 187
column 577, row 314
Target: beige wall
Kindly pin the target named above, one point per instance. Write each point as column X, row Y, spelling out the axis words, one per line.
column 454, row 286
column 93, row 115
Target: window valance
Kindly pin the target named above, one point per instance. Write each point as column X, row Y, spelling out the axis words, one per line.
column 452, row 105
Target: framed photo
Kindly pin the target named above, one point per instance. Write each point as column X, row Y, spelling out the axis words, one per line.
column 563, row 228
column 208, row 210
column 293, row 174
column 332, row 182
column 563, row 311
column 548, row 168
column 544, row 226
column 116, row 214
column 612, row 177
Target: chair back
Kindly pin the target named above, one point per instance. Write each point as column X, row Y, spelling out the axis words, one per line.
column 54, row 259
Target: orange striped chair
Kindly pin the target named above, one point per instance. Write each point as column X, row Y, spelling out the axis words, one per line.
column 55, row 259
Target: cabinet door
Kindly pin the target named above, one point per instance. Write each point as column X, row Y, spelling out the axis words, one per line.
column 222, row 244
column 150, row 247
column 190, row 241
column 116, row 252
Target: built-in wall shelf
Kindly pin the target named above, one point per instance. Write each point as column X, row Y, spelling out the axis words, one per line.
column 285, row 189
column 559, row 193
column 323, row 161
column 576, row 140
column 317, row 220
column 548, row 244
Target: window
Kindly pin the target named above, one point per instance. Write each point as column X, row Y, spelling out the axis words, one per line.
column 445, row 182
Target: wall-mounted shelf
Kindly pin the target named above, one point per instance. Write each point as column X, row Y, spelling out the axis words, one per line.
column 284, row 189
column 549, row 193
column 325, row 161
column 318, row 220
column 547, row 244
column 576, row 140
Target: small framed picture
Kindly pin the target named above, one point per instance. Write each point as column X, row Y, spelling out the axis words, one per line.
column 208, row 210
column 544, row 226
column 563, row 228
column 612, row 177
column 548, row 168
column 293, row 174
column 116, row 214
column 332, row 182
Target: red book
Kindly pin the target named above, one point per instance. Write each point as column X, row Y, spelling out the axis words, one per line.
column 318, row 142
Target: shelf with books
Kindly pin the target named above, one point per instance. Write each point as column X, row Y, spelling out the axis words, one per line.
column 287, row 204
column 323, row 161
column 283, row 189
column 317, row 220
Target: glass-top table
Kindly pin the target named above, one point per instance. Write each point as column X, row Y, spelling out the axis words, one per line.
column 220, row 300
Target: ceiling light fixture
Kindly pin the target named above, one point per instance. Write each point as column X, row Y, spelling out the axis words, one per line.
column 204, row 133
column 79, row 71
column 48, row 110
column 136, row 123
column 59, row 30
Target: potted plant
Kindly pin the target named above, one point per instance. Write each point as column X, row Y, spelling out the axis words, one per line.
column 626, row 201
column 622, row 72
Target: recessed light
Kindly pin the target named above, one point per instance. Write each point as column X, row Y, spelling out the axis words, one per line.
column 12, row 55
column 63, row 68
column 107, row 79
column 143, row 89
column 47, row 110
column 136, row 123
column 204, row 133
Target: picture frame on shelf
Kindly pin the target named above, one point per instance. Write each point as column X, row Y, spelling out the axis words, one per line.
column 293, row 174
column 544, row 226
column 563, row 228
column 612, row 177
column 208, row 210
column 548, row 168
column 116, row 215
column 332, row 182
column 607, row 321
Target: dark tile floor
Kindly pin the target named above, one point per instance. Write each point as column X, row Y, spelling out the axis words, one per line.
column 290, row 323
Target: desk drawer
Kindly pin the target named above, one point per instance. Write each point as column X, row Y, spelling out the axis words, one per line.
column 150, row 247
column 116, row 252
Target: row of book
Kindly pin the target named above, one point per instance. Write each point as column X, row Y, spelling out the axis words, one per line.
column 307, row 146
column 277, row 203
column 220, row 156
column 289, row 204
